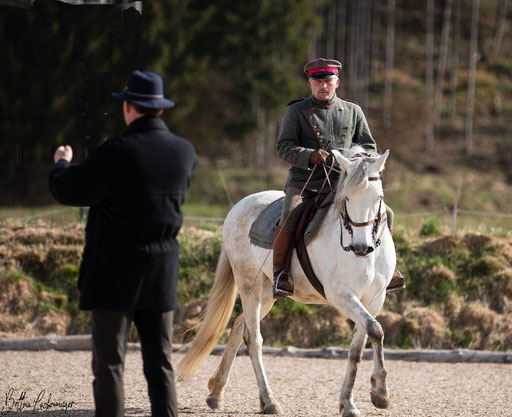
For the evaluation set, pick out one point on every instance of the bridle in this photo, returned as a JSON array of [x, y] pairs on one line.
[[377, 221]]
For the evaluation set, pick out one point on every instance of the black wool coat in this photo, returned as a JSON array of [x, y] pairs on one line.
[[134, 185]]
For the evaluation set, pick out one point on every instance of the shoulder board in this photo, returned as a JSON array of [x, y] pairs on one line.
[[294, 101], [351, 101]]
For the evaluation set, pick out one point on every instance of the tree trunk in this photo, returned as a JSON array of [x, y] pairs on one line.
[[500, 27], [352, 56], [312, 53], [390, 53], [330, 41], [376, 41], [473, 56], [341, 40], [454, 61], [362, 52], [443, 54], [366, 48], [429, 75]]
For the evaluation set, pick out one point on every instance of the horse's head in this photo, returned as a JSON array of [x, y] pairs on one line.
[[359, 200]]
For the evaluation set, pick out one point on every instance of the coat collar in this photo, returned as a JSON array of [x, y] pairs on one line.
[[146, 122], [323, 104]]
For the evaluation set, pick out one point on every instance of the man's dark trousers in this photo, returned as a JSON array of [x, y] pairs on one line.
[[110, 331]]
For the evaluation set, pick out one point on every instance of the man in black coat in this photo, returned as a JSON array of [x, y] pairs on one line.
[[135, 185]]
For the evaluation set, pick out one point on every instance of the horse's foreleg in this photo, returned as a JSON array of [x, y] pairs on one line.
[[379, 390], [255, 307], [219, 379], [351, 306], [355, 354]]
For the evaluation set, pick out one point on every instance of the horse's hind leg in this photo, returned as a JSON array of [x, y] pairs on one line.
[[253, 305], [219, 379], [355, 354]]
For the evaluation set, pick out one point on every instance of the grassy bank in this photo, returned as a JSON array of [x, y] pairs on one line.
[[459, 289]]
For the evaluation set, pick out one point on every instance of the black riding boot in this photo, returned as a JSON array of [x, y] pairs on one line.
[[397, 282], [283, 244]]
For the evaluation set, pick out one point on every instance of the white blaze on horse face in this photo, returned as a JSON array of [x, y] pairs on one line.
[[363, 207]]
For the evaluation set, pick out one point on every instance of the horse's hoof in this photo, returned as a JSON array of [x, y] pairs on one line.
[[214, 403], [380, 401], [354, 412], [272, 408]]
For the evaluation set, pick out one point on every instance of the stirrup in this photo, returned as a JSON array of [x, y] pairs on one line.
[[397, 283], [281, 292]]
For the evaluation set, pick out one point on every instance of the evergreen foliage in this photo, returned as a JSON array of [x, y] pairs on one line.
[[220, 62]]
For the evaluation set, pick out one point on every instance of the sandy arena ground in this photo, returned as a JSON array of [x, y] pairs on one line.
[[304, 387]]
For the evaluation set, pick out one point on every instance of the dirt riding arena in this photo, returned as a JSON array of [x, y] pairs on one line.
[[304, 387]]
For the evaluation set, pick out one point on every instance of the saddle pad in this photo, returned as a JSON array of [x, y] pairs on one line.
[[317, 219], [262, 230]]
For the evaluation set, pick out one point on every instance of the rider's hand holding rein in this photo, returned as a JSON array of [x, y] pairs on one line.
[[319, 157], [63, 152]]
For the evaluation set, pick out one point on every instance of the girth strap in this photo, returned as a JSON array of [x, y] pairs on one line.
[[300, 246], [302, 254]]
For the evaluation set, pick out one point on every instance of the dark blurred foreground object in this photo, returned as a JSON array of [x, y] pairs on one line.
[[95, 118], [135, 185]]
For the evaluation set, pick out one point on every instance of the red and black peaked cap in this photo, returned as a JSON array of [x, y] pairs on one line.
[[322, 68]]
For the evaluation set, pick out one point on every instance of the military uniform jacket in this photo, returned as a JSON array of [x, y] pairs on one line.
[[309, 125], [135, 185]]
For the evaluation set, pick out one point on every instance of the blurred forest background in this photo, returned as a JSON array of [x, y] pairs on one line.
[[432, 76]]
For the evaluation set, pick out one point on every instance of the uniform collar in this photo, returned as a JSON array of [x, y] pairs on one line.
[[323, 104], [146, 122]]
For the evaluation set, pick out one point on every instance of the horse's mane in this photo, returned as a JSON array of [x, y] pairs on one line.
[[357, 179]]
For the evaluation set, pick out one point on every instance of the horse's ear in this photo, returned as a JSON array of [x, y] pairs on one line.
[[344, 162], [378, 165]]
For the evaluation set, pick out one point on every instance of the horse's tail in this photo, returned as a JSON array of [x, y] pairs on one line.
[[215, 319]]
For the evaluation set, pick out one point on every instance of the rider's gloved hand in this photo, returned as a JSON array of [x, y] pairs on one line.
[[318, 157]]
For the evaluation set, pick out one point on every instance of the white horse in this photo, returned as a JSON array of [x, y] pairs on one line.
[[354, 281]]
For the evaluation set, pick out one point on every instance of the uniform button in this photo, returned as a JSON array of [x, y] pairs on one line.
[[346, 126], [344, 134]]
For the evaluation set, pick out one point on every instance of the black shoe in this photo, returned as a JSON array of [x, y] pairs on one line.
[[283, 285], [397, 283]]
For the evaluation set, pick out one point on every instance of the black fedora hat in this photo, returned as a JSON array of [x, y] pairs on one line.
[[145, 89]]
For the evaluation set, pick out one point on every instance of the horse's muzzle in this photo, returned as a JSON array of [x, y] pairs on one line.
[[361, 250]]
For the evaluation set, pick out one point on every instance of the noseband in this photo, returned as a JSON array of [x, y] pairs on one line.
[[348, 223]]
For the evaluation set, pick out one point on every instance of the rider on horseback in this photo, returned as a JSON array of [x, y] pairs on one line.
[[310, 128]]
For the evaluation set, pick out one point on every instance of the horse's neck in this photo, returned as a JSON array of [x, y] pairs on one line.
[[330, 229]]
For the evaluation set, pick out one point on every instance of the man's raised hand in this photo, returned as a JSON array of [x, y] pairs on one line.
[[63, 152]]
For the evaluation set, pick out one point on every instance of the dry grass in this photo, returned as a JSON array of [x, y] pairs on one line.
[[39, 264]]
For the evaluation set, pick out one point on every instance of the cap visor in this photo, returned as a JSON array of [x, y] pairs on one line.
[[323, 76]]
